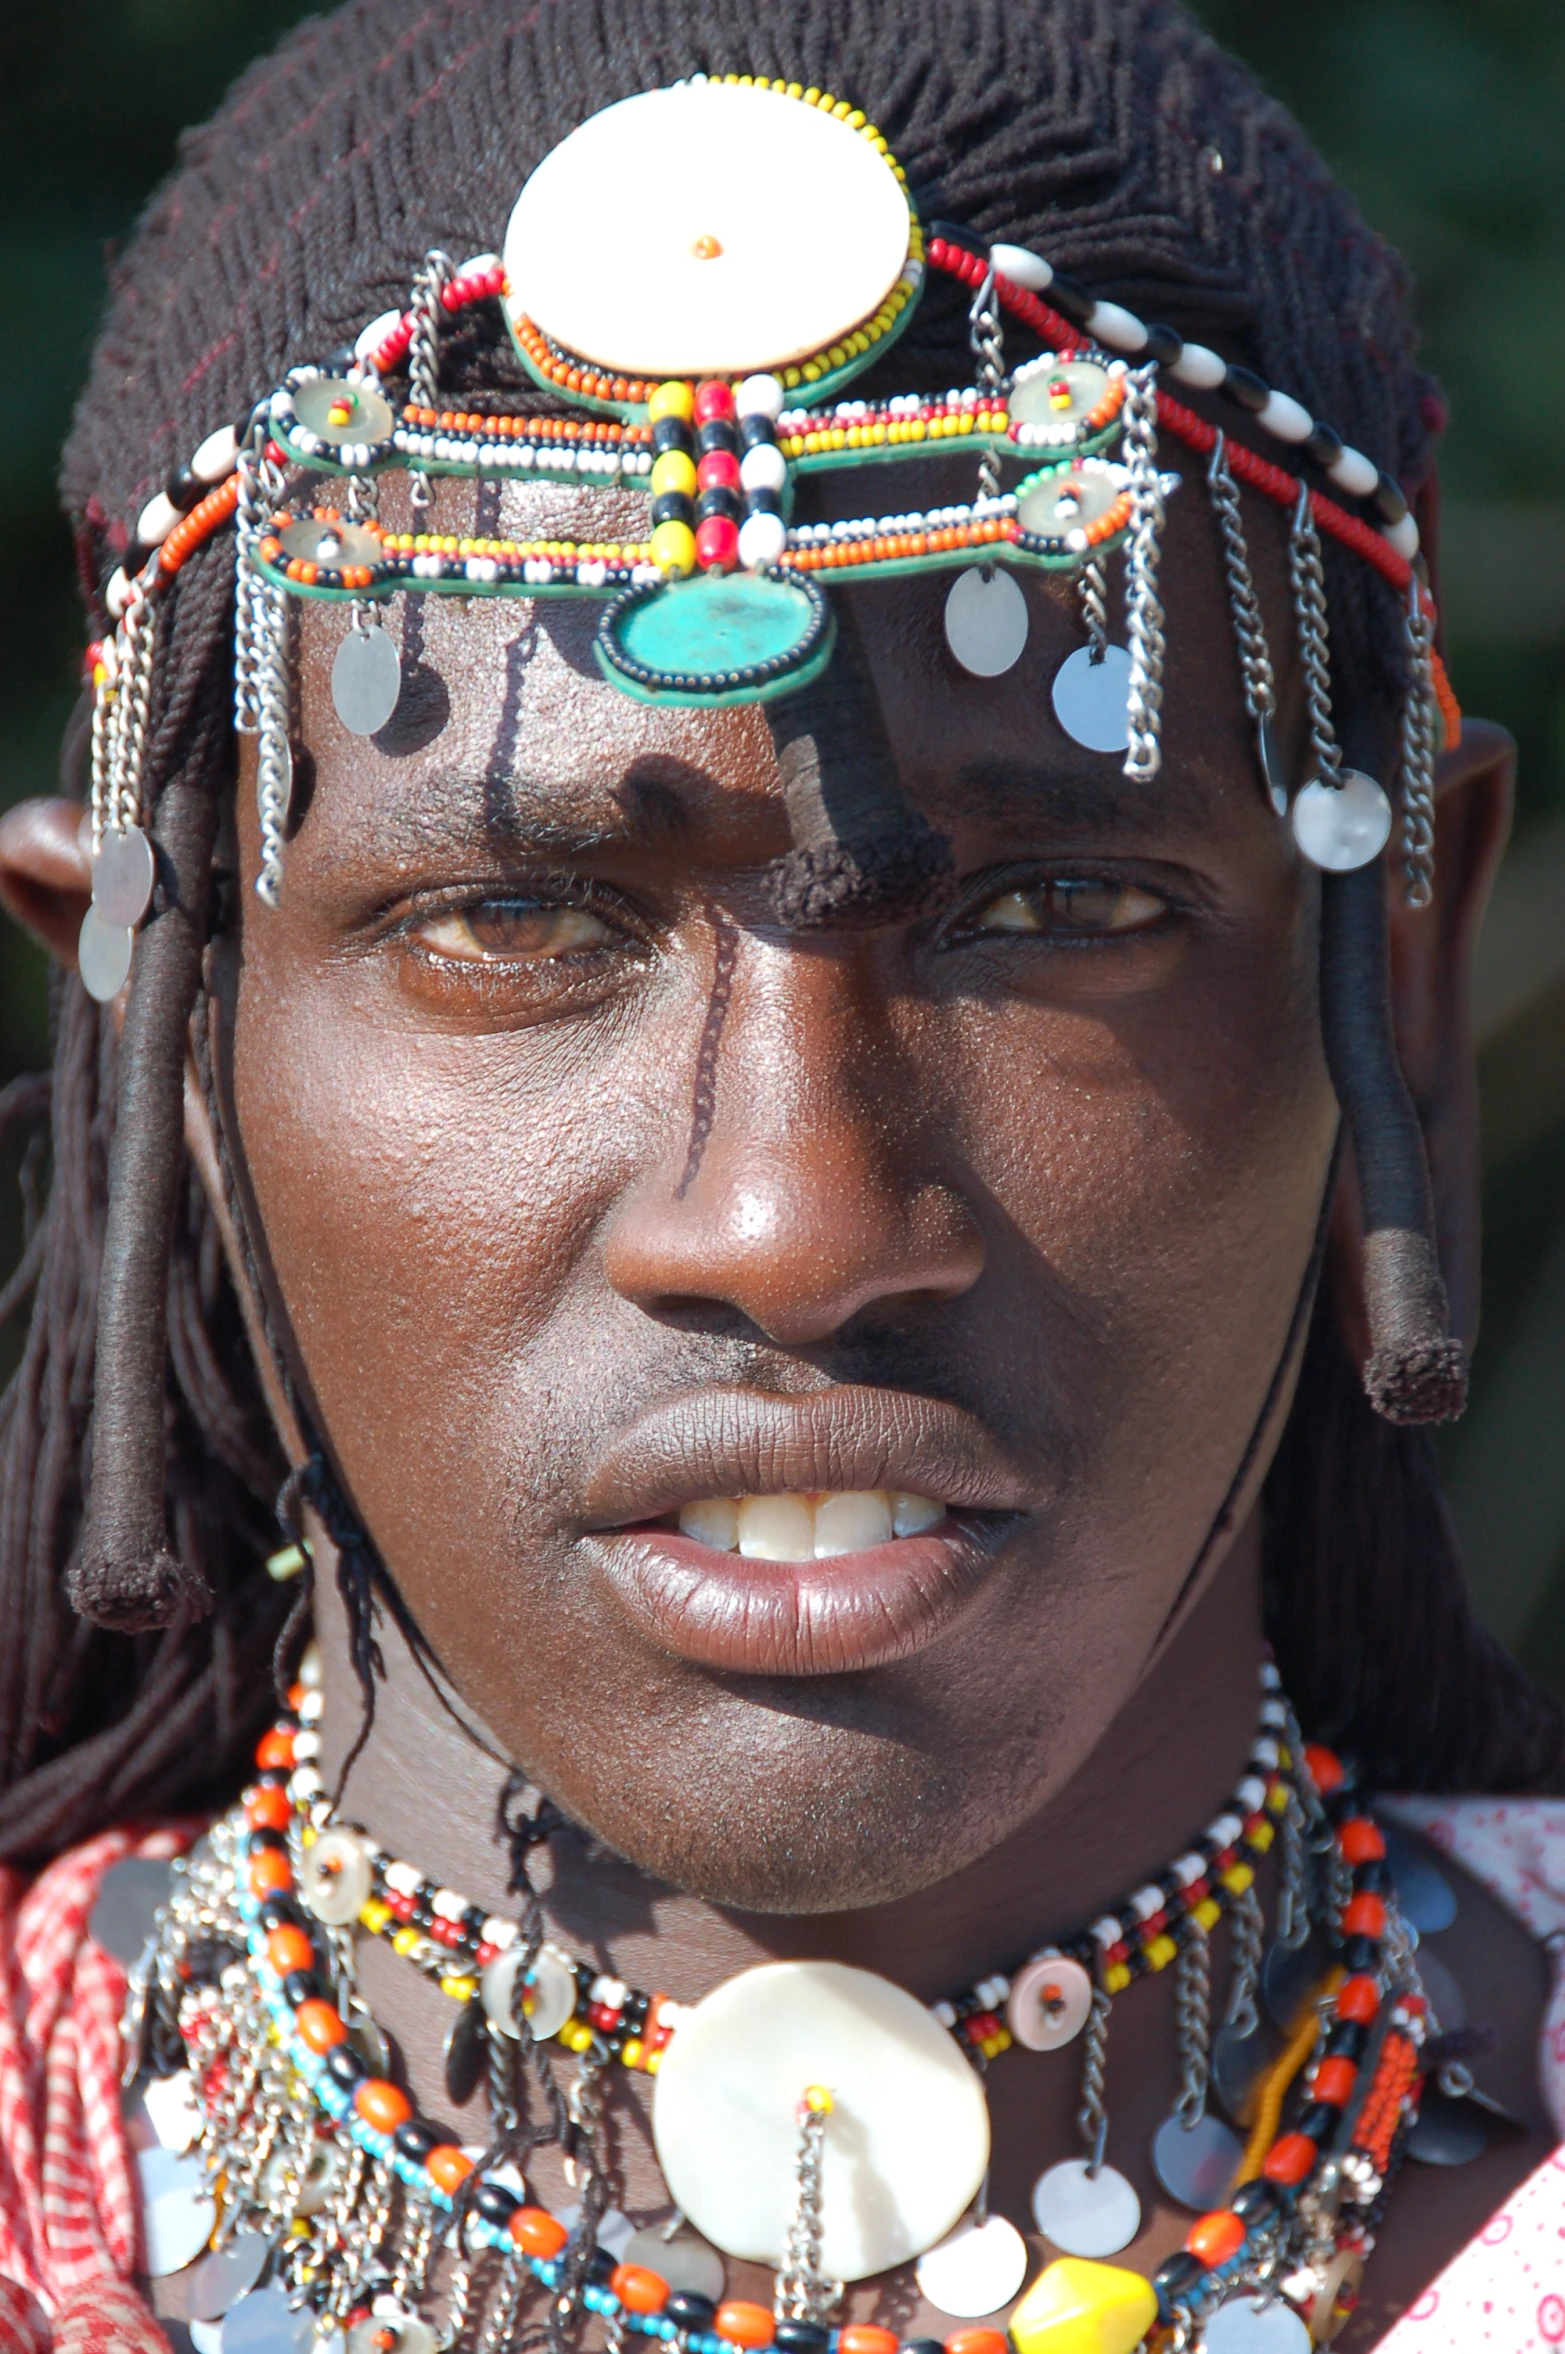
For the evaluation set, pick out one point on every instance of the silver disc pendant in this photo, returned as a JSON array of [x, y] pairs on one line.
[[685, 2260], [1340, 827], [228, 2274], [263, 2324], [1289, 1976], [122, 876], [366, 679], [467, 2053], [177, 2210], [126, 1905], [1446, 2132], [1238, 2063], [1196, 2163], [615, 2229], [975, 2270], [172, 2109], [1446, 1998], [1424, 1895], [1091, 699], [1248, 2325], [103, 954], [1273, 773], [1083, 2213], [986, 620]]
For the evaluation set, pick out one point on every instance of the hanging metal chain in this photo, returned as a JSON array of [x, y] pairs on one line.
[[1293, 1894], [803, 2293], [260, 481], [986, 339], [125, 744], [1092, 2118], [1308, 578], [1418, 754], [1193, 2023], [274, 766], [1143, 605], [428, 314], [1255, 661], [1092, 588], [1249, 1943]]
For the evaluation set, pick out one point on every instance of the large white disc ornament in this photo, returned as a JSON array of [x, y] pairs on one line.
[[906, 2142], [699, 231], [1340, 827]]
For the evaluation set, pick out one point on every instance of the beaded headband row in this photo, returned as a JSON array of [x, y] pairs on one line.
[[703, 339]]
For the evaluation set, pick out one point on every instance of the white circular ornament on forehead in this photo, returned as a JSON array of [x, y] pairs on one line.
[[699, 231], [906, 2142], [1340, 827]]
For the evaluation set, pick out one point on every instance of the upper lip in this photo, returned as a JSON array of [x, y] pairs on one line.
[[738, 1442]]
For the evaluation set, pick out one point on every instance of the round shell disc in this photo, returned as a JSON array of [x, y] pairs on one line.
[[1083, 2213], [1052, 399], [1340, 827], [177, 2210], [122, 876], [1063, 499], [1196, 2164], [975, 2271], [103, 954], [906, 2142], [366, 680], [986, 620], [1050, 1999], [718, 637], [332, 545], [229, 2273], [1092, 699], [698, 231], [263, 2323], [338, 412], [1247, 2325]]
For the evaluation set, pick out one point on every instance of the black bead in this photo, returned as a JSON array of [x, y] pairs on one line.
[[344, 2064], [1254, 2201], [495, 2203], [258, 1842], [1346, 2040], [671, 433], [338, 362], [1324, 447], [718, 501], [1361, 1956], [273, 1778], [415, 2140], [303, 1986], [1319, 2121], [422, 1914], [1389, 500], [274, 1911], [756, 431], [131, 562], [287, 1720], [1163, 345], [600, 2265], [718, 433], [763, 502], [688, 2309], [802, 2337], [1175, 2279], [183, 491], [673, 507], [472, 1923], [1246, 389], [1375, 1878], [1070, 298]]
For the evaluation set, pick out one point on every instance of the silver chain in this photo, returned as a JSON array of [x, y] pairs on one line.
[[428, 312], [1249, 1943], [1293, 1899], [986, 339], [1092, 587], [1255, 661], [274, 767], [1143, 605], [1193, 2024], [1092, 2118], [1418, 755], [803, 2293], [1308, 578]]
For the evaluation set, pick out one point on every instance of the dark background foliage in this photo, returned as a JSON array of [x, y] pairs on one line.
[[1443, 116]]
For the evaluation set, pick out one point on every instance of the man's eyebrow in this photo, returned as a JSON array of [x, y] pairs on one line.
[[527, 816], [1023, 794]]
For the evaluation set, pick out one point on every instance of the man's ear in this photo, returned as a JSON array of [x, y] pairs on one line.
[[46, 872], [1432, 951]]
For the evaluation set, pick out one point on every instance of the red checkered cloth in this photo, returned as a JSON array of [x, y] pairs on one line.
[[69, 2213]]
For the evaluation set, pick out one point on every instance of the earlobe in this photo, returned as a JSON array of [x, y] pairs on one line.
[[46, 872]]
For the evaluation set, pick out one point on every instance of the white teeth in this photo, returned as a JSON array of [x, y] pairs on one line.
[[804, 1528]]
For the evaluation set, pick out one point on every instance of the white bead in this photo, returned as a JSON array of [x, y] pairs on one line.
[[1265, 1752], [1147, 1901], [306, 1784], [376, 332], [1224, 1831], [1121, 330], [217, 456], [905, 2146], [763, 468], [762, 539], [1286, 417], [312, 1708], [306, 1747], [117, 595], [402, 1879], [1200, 367], [1403, 537], [498, 1933], [1251, 1792], [478, 265], [760, 396], [312, 1668], [1021, 267], [156, 520], [1354, 473], [1105, 1930], [448, 1904]]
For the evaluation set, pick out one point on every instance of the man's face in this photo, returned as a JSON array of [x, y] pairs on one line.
[[591, 1198]]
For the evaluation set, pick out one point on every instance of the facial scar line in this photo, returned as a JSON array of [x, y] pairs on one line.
[[704, 1106]]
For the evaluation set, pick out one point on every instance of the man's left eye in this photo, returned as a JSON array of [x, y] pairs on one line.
[[1072, 907], [501, 931]]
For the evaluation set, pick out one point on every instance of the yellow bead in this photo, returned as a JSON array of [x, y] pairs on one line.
[[576, 2034], [1237, 1878], [1161, 1952], [654, 2062], [1076, 2307], [1207, 1914], [818, 2100], [461, 1990], [674, 548], [632, 2051], [1262, 1836], [673, 470], [672, 400], [1116, 1978], [405, 1940], [1277, 1800]]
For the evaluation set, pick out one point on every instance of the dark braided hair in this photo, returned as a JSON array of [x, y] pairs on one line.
[[138, 1461]]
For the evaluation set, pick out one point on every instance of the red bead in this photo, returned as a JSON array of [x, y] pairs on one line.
[[1288, 2161], [445, 1932], [1214, 2238], [1364, 1915], [714, 399], [1361, 1841], [718, 470], [639, 2289], [275, 1748], [1325, 1768], [268, 1810], [399, 1906], [717, 544], [1333, 2080], [1358, 1999], [381, 2104]]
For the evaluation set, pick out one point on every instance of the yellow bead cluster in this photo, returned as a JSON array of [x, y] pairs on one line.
[[559, 551], [876, 433]]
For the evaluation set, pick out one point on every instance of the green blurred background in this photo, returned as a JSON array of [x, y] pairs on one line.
[[1444, 117]]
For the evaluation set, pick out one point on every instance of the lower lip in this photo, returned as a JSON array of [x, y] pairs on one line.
[[799, 1618]]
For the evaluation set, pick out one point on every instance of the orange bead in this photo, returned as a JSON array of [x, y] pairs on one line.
[[270, 1873], [743, 2324], [863, 2337], [274, 1750], [537, 2232], [268, 1810], [319, 2026], [381, 2104], [1358, 1999], [288, 1948], [448, 2167], [1364, 1915], [638, 2289], [296, 1697], [1361, 1841], [1288, 2161], [1325, 1768], [1215, 2237], [978, 2341], [1333, 2080]]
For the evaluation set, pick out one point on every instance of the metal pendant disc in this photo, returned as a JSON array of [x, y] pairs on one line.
[[177, 2211], [1196, 2164], [205, 2336], [1238, 2062], [1446, 1998], [686, 2261], [1340, 827], [1424, 1895], [128, 1898], [262, 2324], [986, 620], [978, 2268], [1091, 699], [122, 876], [1049, 2002], [1447, 2132], [1245, 2326], [172, 2109], [366, 680], [467, 2050], [1273, 771], [615, 2229], [1086, 2214], [228, 2274], [103, 954], [1290, 1975]]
